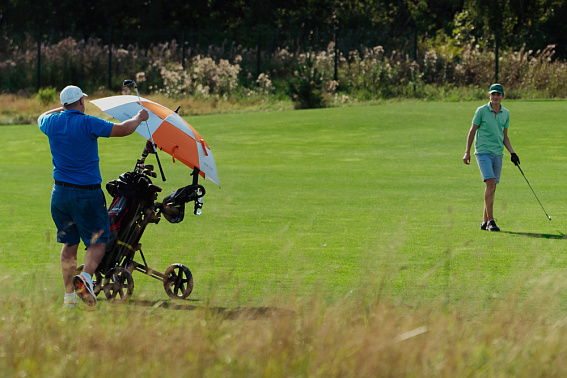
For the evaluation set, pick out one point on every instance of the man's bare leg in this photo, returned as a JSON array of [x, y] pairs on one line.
[[489, 194], [93, 257], [69, 266], [83, 284]]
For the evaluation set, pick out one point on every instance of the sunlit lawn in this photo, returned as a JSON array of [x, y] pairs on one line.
[[345, 205]]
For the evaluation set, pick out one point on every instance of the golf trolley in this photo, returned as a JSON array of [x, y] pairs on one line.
[[133, 207]]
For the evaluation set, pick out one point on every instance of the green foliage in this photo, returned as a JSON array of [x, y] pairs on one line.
[[209, 23], [463, 29], [47, 95]]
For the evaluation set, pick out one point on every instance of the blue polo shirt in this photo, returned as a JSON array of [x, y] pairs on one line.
[[73, 141], [489, 136]]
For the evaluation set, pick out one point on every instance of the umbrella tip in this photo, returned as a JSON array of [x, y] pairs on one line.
[[177, 110]]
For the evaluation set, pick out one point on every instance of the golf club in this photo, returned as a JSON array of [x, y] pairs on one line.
[[548, 217], [126, 83]]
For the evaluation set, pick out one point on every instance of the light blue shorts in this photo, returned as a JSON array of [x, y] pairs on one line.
[[79, 214], [490, 166]]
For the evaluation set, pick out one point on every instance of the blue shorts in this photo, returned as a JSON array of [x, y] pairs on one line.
[[490, 166], [80, 214]]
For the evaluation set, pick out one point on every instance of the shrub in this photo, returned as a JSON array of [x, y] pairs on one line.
[[203, 78], [264, 84], [17, 64], [47, 95], [306, 87]]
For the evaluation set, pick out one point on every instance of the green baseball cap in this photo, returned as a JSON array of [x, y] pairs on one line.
[[496, 88]]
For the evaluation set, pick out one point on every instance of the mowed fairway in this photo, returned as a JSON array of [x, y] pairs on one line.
[[336, 208]]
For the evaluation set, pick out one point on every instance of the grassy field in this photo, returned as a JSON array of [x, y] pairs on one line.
[[344, 242]]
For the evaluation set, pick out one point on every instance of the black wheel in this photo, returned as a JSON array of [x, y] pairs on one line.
[[178, 283], [118, 285], [97, 279]]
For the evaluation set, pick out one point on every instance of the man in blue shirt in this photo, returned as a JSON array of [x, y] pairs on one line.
[[78, 206]]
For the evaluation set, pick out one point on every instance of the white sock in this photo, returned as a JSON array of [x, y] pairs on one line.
[[70, 296]]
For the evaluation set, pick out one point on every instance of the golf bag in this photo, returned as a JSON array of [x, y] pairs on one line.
[[134, 205]]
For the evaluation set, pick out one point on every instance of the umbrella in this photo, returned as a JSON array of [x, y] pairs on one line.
[[167, 129]]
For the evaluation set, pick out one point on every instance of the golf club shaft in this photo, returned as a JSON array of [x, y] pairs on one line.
[[151, 137], [548, 217]]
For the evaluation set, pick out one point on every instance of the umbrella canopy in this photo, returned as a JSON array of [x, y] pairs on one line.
[[169, 131]]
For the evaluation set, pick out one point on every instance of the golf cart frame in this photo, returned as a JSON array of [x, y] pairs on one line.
[[133, 207]]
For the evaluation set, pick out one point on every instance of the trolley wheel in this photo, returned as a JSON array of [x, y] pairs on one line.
[[178, 283], [97, 279], [118, 285]]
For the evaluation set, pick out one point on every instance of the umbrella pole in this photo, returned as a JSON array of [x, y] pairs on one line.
[[126, 83], [157, 158]]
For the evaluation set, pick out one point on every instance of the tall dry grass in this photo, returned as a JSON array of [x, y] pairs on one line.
[[18, 109], [520, 335], [24, 109]]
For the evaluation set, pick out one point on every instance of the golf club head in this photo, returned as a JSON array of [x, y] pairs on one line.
[[128, 82]]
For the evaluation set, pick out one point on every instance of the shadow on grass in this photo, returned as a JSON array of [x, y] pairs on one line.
[[223, 312], [536, 235]]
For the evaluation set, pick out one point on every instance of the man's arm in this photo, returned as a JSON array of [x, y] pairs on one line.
[[128, 127], [513, 157], [470, 139], [57, 110], [507, 143]]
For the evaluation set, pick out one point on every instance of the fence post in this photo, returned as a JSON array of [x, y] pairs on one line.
[[110, 59], [496, 48], [336, 76], [183, 49], [258, 53], [38, 60], [415, 43], [414, 56]]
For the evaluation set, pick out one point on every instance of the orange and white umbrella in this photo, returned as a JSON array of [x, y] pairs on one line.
[[169, 132]]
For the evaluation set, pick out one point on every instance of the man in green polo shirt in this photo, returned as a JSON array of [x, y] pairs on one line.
[[489, 131]]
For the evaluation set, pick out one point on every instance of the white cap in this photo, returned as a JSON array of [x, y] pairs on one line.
[[71, 94]]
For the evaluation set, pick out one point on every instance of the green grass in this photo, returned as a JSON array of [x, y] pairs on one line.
[[330, 211]]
